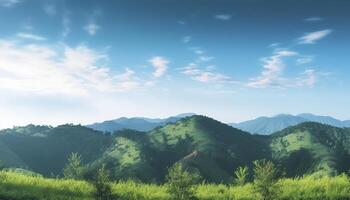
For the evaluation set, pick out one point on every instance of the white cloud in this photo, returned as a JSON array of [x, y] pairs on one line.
[[160, 65], [309, 79], [274, 45], [64, 70], [204, 76], [8, 3], [91, 28], [186, 39], [224, 17], [313, 19], [50, 9], [310, 38], [66, 25], [204, 58], [197, 50], [31, 36], [127, 75], [273, 68], [304, 60]]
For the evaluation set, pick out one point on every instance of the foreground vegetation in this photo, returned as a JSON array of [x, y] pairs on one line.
[[15, 186]]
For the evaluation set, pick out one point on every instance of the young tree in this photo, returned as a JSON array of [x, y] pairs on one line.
[[241, 175], [103, 188], [265, 179], [181, 183], [74, 169]]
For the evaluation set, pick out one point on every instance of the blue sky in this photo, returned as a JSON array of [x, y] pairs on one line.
[[88, 61]]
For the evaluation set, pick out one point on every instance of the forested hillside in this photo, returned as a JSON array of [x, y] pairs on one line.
[[205, 146]]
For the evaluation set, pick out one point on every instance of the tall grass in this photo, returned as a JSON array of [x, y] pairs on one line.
[[15, 186]]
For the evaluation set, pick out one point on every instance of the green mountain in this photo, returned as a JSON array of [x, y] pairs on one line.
[[45, 149], [135, 123], [312, 148], [205, 145], [202, 144]]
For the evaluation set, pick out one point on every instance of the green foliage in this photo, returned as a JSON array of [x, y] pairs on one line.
[[241, 175], [265, 179], [181, 183], [199, 142], [45, 149], [103, 188], [74, 169], [14, 186]]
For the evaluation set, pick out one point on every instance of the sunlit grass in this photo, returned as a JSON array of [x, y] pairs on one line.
[[25, 187]]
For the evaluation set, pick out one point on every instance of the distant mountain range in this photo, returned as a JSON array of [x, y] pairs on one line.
[[269, 125], [202, 144], [135, 123]]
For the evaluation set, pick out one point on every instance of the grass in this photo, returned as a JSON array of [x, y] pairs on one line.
[[16, 186]]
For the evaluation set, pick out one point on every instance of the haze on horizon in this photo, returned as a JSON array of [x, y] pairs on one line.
[[89, 61]]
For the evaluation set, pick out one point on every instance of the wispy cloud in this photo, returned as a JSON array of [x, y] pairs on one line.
[[52, 69], [187, 39], [65, 24], [311, 38], [50, 9], [224, 17], [197, 50], [91, 28], [272, 70], [274, 66], [313, 19], [31, 36], [204, 58], [204, 76], [8, 3], [304, 60], [160, 65], [308, 79]]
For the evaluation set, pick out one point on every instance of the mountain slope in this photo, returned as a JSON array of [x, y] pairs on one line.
[[202, 144], [218, 147], [269, 125], [312, 148], [324, 120], [45, 150], [135, 123]]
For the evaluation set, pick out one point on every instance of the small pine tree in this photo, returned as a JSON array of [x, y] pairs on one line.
[[103, 188], [241, 175], [180, 183], [74, 169], [265, 179]]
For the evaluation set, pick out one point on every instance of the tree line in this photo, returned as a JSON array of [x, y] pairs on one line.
[[181, 183]]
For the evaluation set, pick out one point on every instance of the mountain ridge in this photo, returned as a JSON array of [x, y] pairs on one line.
[[204, 145], [135, 123], [268, 125]]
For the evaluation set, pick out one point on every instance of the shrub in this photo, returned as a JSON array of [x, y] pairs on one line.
[[240, 175], [103, 188], [180, 183], [74, 169], [265, 179]]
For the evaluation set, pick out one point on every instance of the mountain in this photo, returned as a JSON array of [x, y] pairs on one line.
[[45, 149], [325, 120], [203, 145], [135, 123], [269, 125], [312, 148]]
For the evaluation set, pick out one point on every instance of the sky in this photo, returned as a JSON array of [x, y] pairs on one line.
[[87, 61]]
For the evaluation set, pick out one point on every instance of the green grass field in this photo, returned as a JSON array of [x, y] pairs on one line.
[[15, 186]]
